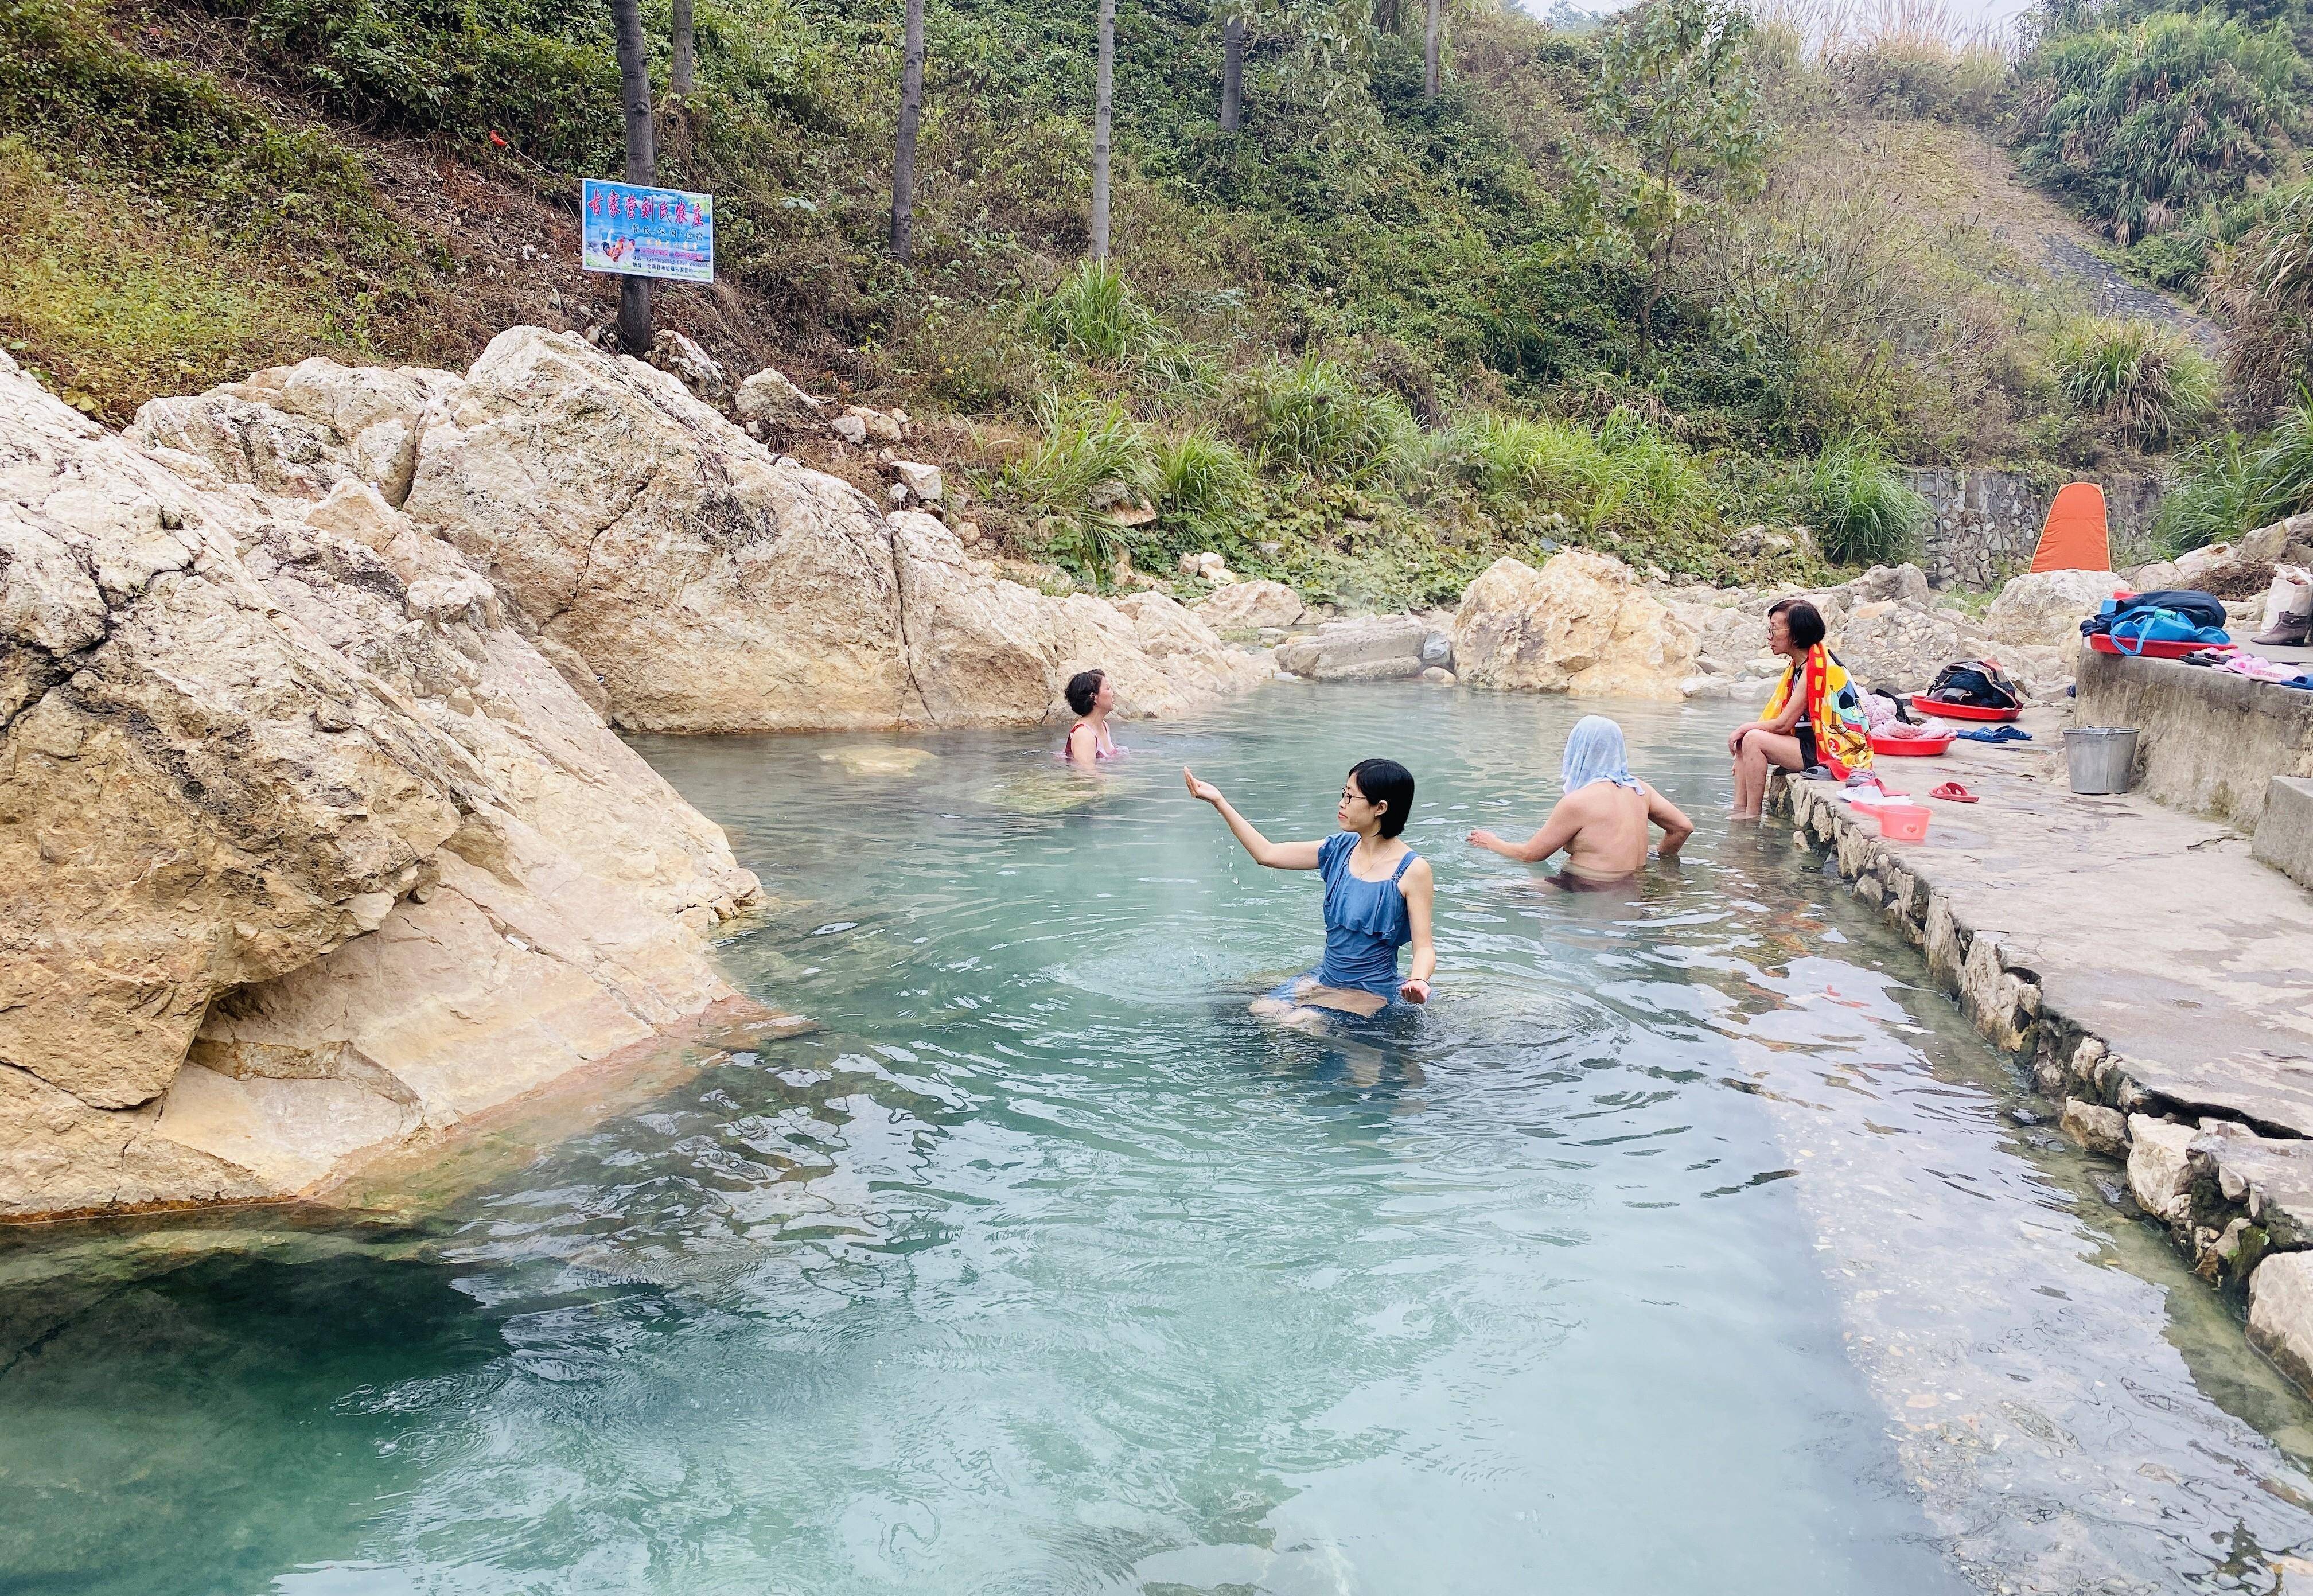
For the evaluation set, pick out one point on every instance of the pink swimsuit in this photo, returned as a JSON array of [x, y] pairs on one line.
[[1099, 751]]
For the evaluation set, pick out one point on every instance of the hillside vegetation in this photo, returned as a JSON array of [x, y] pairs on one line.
[[1638, 287]]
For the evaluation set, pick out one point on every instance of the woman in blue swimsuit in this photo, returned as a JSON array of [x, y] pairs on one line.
[[1378, 894]]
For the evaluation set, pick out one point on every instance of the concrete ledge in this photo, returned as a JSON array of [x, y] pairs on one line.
[[2212, 742], [2285, 831], [2156, 980]]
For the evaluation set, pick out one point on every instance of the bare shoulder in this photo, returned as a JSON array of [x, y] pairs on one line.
[[1419, 870]]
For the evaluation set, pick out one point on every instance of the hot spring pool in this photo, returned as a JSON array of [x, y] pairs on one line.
[[1684, 1244]]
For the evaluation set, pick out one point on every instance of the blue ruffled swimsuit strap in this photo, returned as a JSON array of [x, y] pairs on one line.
[[1366, 921]]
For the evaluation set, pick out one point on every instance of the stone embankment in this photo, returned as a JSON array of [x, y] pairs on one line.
[[314, 841], [2156, 979]]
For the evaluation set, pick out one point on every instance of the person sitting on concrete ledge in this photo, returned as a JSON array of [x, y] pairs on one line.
[[1601, 822], [1815, 716]]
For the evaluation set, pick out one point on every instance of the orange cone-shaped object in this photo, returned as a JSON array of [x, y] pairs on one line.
[[2074, 538]]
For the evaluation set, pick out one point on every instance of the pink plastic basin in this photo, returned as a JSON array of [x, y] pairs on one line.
[[1902, 822]]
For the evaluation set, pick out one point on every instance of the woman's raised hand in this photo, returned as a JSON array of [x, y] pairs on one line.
[[1204, 790], [1484, 839]]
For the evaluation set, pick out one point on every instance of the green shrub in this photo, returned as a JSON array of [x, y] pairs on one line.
[[1624, 475], [2140, 121], [1316, 418], [2144, 380], [1862, 512], [2208, 499], [1095, 315]]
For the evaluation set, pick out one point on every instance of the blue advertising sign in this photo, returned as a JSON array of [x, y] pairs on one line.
[[647, 233]]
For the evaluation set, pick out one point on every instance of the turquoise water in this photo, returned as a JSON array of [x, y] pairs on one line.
[[1684, 1244]]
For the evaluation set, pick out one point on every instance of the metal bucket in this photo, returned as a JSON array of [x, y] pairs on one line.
[[2103, 758]]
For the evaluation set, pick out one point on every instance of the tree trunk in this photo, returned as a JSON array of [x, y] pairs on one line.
[[1232, 73], [1429, 50], [679, 81], [911, 110], [642, 160], [1102, 83]]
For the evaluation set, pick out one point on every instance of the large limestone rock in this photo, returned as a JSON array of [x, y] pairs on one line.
[[2160, 1174], [1248, 606], [299, 430], [304, 852], [2047, 608], [1901, 646], [1366, 648], [769, 398], [1584, 624], [2281, 1313], [711, 587]]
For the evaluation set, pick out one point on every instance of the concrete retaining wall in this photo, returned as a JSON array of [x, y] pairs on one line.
[[2284, 833], [1984, 524], [2210, 743]]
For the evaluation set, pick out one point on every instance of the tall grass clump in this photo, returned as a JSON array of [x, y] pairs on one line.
[[1084, 443], [1623, 474], [2144, 380], [2264, 287], [1863, 513], [2141, 118], [1316, 418], [1201, 478], [1093, 315], [2228, 488]]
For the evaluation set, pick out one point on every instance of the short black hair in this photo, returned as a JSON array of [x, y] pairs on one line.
[[1083, 688], [1389, 786], [1802, 620]]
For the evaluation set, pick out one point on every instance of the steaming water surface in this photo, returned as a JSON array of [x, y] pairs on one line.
[[1681, 1245]]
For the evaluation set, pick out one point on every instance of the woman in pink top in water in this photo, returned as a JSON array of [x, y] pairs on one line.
[[1088, 740]]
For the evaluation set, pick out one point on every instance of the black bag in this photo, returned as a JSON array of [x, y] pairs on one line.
[[2202, 609], [1979, 683]]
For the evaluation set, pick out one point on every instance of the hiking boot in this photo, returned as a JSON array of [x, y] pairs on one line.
[[2290, 632]]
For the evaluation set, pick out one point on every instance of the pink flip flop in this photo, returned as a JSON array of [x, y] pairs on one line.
[[1952, 792]]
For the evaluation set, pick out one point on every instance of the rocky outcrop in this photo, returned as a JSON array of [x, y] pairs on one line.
[[680, 574], [1249, 606], [1367, 648], [299, 430], [1584, 624], [2046, 609], [305, 850]]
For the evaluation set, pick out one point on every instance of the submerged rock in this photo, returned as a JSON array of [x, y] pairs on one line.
[[304, 850], [1367, 648]]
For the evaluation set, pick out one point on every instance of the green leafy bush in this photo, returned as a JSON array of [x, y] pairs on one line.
[[2144, 380], [1863, 513], [1316, 418], [2229, 487]]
